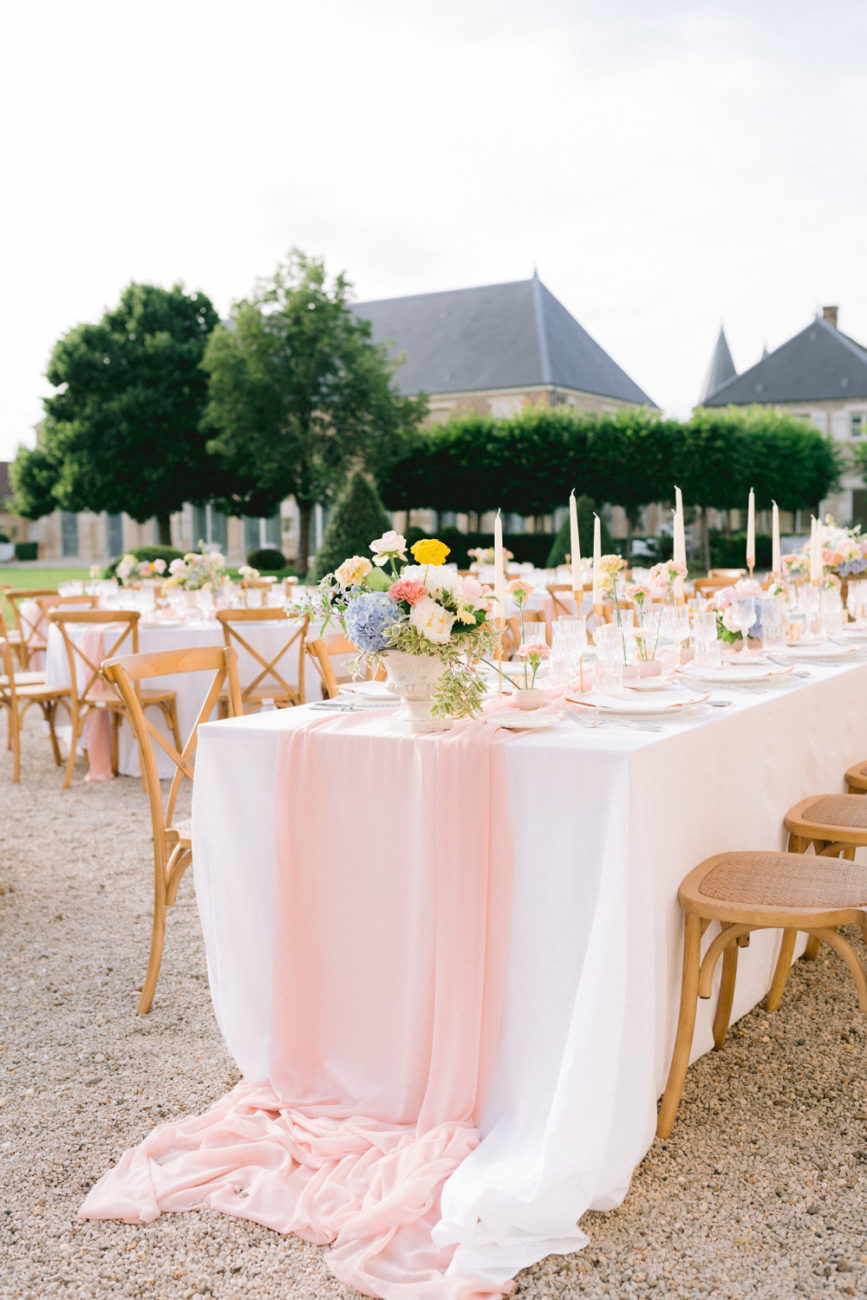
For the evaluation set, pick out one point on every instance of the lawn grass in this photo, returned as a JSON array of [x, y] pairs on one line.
[[16, 576]]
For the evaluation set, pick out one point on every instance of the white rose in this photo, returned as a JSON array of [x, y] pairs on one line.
[[390, 543], [432, 621]]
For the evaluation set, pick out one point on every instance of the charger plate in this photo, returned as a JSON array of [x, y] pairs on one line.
[[816, 650], [668, 702], [728, 673]]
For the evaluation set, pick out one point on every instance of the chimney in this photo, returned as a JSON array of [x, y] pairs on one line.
[[830, 315]]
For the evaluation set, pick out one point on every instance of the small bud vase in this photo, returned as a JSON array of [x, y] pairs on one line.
[[529, 697], [414, 679]]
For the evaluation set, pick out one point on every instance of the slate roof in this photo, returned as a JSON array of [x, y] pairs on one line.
[[721, 368], [818, 365], [514, 335]]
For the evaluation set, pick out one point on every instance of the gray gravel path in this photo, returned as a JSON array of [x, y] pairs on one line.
[[759, 1192]]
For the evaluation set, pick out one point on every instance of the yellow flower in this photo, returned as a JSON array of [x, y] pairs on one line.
[[430, 551]]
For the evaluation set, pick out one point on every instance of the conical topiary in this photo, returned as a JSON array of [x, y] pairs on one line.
[[585, 507], [358, 518]]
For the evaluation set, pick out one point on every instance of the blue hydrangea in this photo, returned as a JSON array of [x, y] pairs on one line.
[[849, 567], [367, 617]]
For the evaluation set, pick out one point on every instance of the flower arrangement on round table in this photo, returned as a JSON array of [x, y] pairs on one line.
[[418, 609], [130, 570], [728, 629], [660, 584], [197, 571]]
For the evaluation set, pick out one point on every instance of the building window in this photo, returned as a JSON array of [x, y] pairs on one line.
[[858, 424], [114, 534], [68, 534], [262, 532], [210, 527]]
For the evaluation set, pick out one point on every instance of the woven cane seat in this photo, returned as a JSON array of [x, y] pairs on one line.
[[785, 880], [856, 778], [836, 810]]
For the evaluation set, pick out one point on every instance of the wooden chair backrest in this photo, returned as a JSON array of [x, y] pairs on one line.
[[707, 586], [512, 634], [731, 575], [82, 601], [126, 675], [126, 623], [321, 649], [28, 627], [269, 674], [562, 600]]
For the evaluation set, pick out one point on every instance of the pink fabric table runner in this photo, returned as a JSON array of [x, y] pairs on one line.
[[97, 724], [392, 899]]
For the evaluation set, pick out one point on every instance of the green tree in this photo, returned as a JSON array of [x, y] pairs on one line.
[[299, 395], [358, 518], [123, 430]]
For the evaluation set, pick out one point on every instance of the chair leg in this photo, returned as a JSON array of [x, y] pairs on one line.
[[15, 743], [158, 934], [685, 1026], [781, 970], [811, 951], [50, 712], [726, 995], [73, 748]]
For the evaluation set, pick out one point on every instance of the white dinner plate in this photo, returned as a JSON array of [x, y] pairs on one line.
[[854, 632], [368, 691], [674, 701], [760, 672], [521, 720], [658, 683], [817, 650]]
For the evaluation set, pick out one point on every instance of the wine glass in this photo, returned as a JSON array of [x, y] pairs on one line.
[[742, 612]]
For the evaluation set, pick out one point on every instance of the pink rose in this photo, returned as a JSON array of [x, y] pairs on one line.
[[408, 589]]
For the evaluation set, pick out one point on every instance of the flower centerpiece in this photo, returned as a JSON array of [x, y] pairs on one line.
[[197, 571], [728, 628], [425, 622], [485, 555], [130, 570]]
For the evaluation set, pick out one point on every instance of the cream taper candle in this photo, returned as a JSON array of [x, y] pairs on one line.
[[597, 561], [499, 570], [751, 530], [575, 541], [776, 561]]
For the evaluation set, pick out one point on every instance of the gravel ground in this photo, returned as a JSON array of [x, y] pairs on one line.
[[760, 1191]]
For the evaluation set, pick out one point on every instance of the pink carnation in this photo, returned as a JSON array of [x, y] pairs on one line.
[[535, 650], [520, 588], [408, 589]]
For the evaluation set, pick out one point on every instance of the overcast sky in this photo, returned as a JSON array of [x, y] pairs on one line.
[[667, 165]]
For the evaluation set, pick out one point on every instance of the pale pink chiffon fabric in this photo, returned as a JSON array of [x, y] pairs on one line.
[[97, 724], [392, 895]]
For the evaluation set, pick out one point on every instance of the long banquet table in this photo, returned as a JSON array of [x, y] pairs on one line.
[[604, 824]]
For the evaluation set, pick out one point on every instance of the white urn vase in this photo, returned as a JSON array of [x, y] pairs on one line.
[[414, 678]]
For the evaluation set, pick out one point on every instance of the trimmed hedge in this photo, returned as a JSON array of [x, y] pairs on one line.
[[26, 550], [729, 552], [267, 558]]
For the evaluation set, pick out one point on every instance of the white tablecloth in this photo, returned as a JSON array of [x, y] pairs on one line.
[[191, 688], [605, 824]]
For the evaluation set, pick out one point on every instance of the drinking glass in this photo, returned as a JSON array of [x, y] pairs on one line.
[[773, 622], [705, 639], [832, 612], [743, 614], [568, 643], [608, 675]]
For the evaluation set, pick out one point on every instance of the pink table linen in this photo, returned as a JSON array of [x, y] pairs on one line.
[[388, 982], [97, 724]]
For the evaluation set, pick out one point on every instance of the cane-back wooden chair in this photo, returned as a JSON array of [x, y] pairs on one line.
[[89, 636], [18, 691], [755, 891], [266, 677], [173, 845], [856, 778]]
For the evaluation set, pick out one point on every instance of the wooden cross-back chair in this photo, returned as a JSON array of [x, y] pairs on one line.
[[28, 625], [729, 575], [173, 846], [705, 587], [12, 636], [512, 631], [322, 651], [747, 891], [562, 599], [18, 691], [113, 630], [267, 679]]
